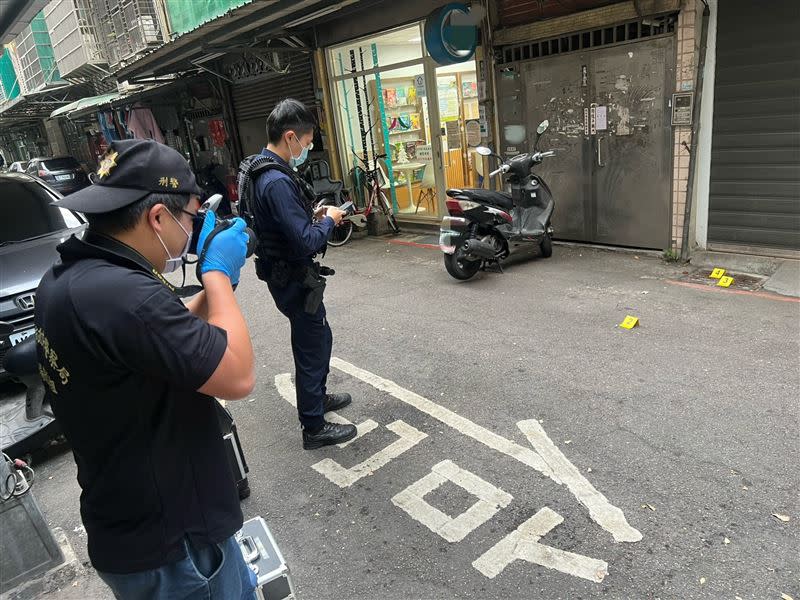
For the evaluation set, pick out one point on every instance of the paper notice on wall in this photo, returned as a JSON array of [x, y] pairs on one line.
[[424, 152], [601, 118], [453, 135], [419, 84]]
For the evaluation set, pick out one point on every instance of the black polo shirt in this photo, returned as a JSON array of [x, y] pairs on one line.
[[122, 358]]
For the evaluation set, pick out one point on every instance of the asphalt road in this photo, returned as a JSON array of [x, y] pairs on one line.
[[687, 424]]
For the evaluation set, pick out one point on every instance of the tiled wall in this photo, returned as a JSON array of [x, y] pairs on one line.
[[688, 51]]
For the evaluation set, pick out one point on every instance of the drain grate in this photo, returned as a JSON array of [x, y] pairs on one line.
[[741, 282]]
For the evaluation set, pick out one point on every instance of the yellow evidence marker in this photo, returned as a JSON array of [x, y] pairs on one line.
[[725, 281], [717, 273], [629, 322]]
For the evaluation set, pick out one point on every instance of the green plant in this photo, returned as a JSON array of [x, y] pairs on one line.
[[671, 255]]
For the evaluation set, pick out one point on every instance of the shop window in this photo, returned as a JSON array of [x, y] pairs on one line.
[[384, 107], [398, 46]]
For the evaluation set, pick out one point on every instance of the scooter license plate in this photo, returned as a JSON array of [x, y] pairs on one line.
[[450, 232], [16, 338]]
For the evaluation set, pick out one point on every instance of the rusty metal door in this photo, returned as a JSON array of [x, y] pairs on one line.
[[554, 91], [609, 124], [633, 158]]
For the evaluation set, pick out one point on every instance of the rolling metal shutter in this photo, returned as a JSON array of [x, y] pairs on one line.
[[254, 99], [755, 161]]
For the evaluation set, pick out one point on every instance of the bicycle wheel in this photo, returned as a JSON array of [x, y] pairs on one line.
[[341, 234], [387, 208]]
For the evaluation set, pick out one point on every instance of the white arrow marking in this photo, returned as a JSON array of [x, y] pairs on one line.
[[554, 464], [600, 509]]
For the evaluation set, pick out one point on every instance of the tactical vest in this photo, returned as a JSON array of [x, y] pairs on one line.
[[272, 244]]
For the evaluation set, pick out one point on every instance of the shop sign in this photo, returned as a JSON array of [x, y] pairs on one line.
[[451, 32]]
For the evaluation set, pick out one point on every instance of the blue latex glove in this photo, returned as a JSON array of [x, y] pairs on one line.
[[227, 251]]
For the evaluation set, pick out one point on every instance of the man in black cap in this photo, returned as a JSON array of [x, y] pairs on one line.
[[130, 372]]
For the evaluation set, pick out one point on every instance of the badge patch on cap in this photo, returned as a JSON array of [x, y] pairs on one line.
[[107, 164]]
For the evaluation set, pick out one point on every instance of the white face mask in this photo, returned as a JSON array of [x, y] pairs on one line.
[[296, 161], [174, 263]]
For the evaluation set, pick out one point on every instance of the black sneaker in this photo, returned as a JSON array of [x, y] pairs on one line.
[[331, 433], [336, 401]]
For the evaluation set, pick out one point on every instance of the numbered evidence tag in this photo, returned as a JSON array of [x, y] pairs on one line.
[[717, 273], [725, 281], [629, 322]]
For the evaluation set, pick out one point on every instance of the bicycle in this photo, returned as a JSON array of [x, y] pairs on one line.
[[344, 230], [376, 196]]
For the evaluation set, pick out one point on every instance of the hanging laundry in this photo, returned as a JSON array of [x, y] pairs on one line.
[[142, 124], [122, 120], [106, 123]]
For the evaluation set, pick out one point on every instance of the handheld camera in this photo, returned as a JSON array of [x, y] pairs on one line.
[[212, 204]]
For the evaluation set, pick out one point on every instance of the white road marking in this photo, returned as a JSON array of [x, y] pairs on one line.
[[454, 529], [409, 437], [602, 512], [523, 544], [286, 389], [600, 509], [448, 417]]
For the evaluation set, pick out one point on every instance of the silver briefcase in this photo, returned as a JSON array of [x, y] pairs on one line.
[[264, 558]]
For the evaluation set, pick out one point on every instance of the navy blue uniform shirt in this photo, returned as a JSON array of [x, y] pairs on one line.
[[122, 359], [280, 208]]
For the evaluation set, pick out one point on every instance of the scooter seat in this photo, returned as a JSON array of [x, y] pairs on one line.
[[22, 360], [501, 199]]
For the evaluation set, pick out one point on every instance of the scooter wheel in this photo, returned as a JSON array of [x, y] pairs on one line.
[[459, 268], [546, 246]]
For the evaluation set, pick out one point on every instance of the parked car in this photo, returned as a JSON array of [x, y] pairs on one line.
[[30, 230], [18, 167], [63, 173]]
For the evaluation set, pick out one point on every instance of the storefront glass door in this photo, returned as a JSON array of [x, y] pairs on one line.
[[389, 98], [457, 94]]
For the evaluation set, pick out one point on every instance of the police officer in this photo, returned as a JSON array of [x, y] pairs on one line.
[[130, 372], [289, 237]]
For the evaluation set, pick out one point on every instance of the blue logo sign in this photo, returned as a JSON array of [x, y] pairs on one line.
[[451, 33]]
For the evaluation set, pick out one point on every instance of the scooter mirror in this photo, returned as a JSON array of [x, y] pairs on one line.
[[483, 151], [6, 328], [543, 127]]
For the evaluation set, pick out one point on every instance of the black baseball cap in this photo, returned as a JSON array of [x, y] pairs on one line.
[[129, 171]]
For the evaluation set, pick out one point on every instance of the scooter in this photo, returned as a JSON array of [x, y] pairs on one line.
[[485, 227], [22, 432]]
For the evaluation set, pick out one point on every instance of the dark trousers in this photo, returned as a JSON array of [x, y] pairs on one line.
[[312, 341]]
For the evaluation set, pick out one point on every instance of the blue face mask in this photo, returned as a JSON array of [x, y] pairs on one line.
[[296, 161]]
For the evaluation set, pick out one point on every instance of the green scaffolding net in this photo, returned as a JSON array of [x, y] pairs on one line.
[[185, 15], [44, 49], [8, 77]]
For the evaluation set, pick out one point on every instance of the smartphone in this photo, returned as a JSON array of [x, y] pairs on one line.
[[346, 207]]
